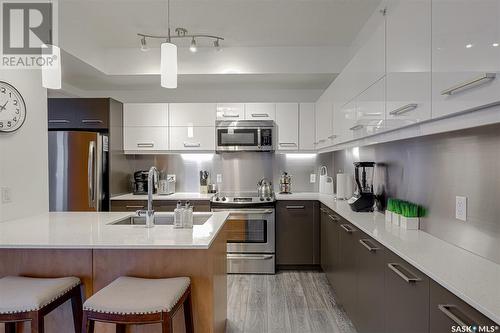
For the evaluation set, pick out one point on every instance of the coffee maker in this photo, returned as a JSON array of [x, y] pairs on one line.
[[364, 198], [141, 182]]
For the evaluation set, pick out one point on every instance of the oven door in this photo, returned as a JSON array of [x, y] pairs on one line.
[[238, 138], [250, 230]]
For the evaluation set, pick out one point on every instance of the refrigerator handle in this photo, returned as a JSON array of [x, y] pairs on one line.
[[90, 174]]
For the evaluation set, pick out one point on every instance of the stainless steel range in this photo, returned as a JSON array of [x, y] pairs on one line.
[[251, 231]]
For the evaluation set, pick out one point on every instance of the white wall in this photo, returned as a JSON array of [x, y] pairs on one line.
[[23, 154]]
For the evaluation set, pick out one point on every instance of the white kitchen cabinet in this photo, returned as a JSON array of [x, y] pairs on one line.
[[465, 55], [307, 125], [324, 134], [260, 111], [145, 114], [145, 138], [408, 54], [230, 111], [287, 122], [192, 114], [370, 111], [345, 122], [192, 138]]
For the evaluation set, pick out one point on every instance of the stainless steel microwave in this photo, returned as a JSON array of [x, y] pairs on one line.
[[245, 135]]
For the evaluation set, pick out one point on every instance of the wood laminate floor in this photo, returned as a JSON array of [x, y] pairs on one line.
[[289, 301]]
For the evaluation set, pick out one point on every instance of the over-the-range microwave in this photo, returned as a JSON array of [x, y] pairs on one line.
[[245, 135]]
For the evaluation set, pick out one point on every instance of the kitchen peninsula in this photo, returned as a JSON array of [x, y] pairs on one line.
[[99, 247]]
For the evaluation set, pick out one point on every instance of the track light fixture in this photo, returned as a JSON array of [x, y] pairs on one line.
[[144, 45], [193, 48]]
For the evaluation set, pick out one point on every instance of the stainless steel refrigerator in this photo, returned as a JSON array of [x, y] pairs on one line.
[[78, 171]]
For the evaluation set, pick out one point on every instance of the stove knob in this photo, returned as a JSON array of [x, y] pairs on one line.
[[217, 199], [224, 199], [268, 199], [261, 199]]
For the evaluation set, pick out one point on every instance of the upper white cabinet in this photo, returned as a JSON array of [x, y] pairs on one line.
[[145, 138], [465, 55], [307, 124], [408, 54], [192, 114], [145, 114], [345, 122], [370, 110], [324, 134], [192, 138], [230, 111], [260, 111], [287, 121]]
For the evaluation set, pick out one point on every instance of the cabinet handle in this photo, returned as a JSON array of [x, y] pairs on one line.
[[444, 308], [394, 268], [134, 207], [370, 248], [192, 144], [404, 109], [333, 218], [92, 121], [295, 207], [356, 127], [321, 141], [348, 228], [145, 145], [333, 136], [482, 79], [230, 115], [58, 121], [323, 210], [288, 144], [260, 115]]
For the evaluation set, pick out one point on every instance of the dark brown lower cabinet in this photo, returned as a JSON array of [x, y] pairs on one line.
[[347, 269], [158, 205], [128, 205], [297, 233], [448, 313], [406, 297], [329, 244], [370, 285], [325, 239]]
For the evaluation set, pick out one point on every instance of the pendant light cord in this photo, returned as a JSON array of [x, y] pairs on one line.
[[168, 19]]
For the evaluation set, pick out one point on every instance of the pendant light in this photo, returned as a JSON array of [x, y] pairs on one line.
[[168, 63]]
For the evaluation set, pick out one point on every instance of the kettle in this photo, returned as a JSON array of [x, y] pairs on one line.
[[265, 188]]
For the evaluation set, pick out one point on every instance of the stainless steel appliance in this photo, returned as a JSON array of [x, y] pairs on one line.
[[364, 198], [245, 135], [251, 245], [78, 171], [265, 189], [141, 182]]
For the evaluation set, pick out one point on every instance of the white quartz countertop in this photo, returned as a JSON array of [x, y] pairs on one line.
[[193, 196], [472, 278], [91, 230]]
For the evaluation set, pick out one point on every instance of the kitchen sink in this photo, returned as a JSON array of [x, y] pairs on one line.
[[161, 219]]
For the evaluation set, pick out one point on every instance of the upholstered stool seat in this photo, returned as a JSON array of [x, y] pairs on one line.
[[30, 299], [131, 300]]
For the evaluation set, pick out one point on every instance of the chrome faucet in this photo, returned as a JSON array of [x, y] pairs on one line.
[[150, 213]]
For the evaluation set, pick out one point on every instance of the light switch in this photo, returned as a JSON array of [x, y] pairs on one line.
[[6, 195], [312, 178], [219, 178]]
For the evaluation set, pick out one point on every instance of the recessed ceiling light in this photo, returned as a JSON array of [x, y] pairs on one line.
[[193, 48], [468, 46], [495, 44]]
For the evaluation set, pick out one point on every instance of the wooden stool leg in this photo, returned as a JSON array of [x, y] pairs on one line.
[[76, 304], [188, 314], [88, 324], [10, 327], [167, 324], [120, 328], [37, 323]]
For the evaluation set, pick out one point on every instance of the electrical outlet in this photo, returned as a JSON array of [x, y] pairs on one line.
[[219, 178], [461, 208], [312, 178], [6, 195], [171, 176]]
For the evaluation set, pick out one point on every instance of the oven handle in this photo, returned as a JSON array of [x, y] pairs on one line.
[[243, 211], [250, 257]]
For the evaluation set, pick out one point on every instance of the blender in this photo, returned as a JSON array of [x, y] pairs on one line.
[[364, 198]]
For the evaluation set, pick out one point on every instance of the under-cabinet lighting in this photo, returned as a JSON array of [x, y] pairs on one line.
[[299, 156], [495, 44], [355, 153], [197, 157], [468, 46]]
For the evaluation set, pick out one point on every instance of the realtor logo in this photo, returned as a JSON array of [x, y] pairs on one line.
[[28, 33]]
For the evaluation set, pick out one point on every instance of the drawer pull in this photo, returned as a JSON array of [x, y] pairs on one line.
[[230, 115], [295, 207], [288, 144], [365, 243], [260, 115], [134, 207], [321, 141], [404, 109], [347, 228], [58, 121], [394, 268], [192, 144], [323, 210], [333, 218], [92, 121], [333, 136], [482, 79], [445, 308], [356, 127], [145, 145]]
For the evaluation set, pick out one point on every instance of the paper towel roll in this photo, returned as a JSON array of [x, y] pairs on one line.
[[344, 186]]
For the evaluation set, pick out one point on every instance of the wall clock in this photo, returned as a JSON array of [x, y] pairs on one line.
[[12, 108]]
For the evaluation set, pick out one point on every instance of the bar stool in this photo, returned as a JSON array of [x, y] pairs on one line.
[[136, 301], [30, 299]]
